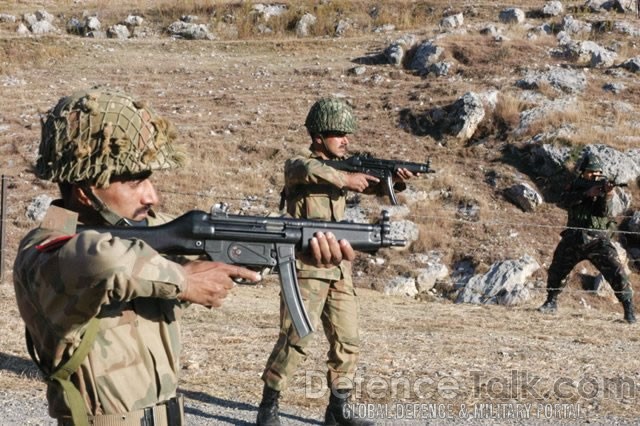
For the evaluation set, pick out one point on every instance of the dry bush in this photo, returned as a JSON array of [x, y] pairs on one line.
[[604, 122], [556, 119], [546, 89], [404, 16], [435, 234], [241, 15], [167, 11], [506, 114]]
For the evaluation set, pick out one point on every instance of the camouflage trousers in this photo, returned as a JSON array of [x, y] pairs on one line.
[[600, 252], [333, 303]]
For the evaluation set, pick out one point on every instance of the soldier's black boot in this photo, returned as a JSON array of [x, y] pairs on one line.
[[339, 412], [268, 410], [550, 306], [629, 313]]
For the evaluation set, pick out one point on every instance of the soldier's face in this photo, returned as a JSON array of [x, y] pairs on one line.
[[335, 145], [130, 198], [592, 174]]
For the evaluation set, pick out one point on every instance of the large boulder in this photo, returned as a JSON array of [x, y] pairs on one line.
[[506, 283]]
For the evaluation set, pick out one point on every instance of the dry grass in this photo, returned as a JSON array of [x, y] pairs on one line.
[[16, 54], [572, 115], [506, 114]]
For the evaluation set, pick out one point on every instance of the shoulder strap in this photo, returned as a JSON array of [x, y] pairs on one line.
[[72, 395]]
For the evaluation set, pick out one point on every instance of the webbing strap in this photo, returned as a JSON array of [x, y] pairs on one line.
[[72, 395]]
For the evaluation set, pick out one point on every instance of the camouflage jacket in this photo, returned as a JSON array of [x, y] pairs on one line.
[[314, 190], [584, 211], [62, 280], [589, 213]]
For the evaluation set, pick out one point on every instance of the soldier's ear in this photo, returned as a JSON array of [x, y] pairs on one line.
[[317, 143], [80, 196]]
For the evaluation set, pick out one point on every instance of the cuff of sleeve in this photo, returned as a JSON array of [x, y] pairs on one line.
[[172, 283]]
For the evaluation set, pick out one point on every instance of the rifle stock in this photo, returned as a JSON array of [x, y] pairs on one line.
[[382, 169], [255, 242]]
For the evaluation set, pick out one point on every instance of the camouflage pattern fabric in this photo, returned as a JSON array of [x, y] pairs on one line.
[[330, 115], [599, 251], [587, 212], [334, 305], [134, 362], [95, 134], [591, 162], [588, 237], [313, 191]]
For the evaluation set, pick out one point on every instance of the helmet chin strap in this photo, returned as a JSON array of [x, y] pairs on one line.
[[326, 150], [111, 217]]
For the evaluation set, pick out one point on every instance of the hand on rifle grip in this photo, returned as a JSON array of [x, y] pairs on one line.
[[359, 181], [244, 281], [209, 282]]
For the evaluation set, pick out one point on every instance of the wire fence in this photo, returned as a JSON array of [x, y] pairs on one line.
[[440, 214]]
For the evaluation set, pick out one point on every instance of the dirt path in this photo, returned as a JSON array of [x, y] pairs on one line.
[[459, 360], [421, 361]]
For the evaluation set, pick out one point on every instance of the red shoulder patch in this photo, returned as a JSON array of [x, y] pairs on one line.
[[50, 245]]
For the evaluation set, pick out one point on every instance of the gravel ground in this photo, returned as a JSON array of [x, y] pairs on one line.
[[200, 409], [24, 409], [444, 342]]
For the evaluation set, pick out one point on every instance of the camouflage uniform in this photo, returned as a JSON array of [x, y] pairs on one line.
[[102, 315], [588, 237], [63, 280], [313, 191]]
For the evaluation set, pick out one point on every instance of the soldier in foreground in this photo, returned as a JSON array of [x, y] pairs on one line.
[[314, 190], [102, 313], [588, 237]]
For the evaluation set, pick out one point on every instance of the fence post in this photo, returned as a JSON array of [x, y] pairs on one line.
[[3, 219]]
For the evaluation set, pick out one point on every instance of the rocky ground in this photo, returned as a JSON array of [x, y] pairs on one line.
[[239, 105], [440, 362]]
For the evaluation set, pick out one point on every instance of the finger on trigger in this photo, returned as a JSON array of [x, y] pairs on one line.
[[248, 274]]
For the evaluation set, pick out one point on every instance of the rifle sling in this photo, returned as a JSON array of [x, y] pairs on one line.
[[72, 396]]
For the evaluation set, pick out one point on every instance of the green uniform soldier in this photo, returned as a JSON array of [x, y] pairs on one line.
[[103, 314], [588, 237], [314, 190]]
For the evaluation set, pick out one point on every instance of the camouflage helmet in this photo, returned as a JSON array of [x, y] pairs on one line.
[[591, 163], [95, 134], [330, 115]]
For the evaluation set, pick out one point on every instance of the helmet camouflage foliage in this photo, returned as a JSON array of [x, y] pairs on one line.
[[591, 163], [330, 115], [95, 134]]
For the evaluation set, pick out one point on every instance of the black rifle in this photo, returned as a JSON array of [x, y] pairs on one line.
[[382, 169], [255, 242], [602, 182], [608, 182]]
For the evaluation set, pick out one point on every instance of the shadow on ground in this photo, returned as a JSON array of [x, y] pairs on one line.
[[19, 366], [249, 409]]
